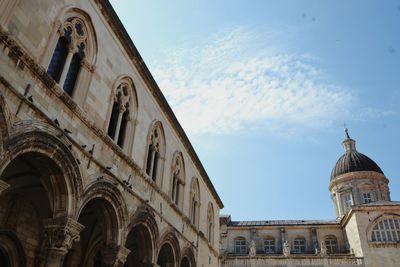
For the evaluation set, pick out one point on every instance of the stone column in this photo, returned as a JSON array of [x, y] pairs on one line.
[[59, 236], [3, 186], [71, 51], [115, 255]]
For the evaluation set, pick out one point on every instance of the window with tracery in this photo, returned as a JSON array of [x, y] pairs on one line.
[[240, 246], [69, 53], [386, 230], [299, 245], [120, 114], [210, 223], [195, 203], [155, 144], [177, 179], [331, 244]]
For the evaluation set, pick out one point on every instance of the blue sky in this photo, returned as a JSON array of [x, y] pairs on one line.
[[263, 88]]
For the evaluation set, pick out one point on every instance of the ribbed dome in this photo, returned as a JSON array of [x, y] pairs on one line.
[[354, 161]]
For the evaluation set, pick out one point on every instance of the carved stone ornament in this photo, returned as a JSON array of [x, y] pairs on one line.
[[252, 250], [286, 248], [324, 250], [115, 255], [3, 186], [60, 233]]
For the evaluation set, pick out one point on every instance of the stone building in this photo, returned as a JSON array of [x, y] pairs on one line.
[[366, 231], [95, 169]]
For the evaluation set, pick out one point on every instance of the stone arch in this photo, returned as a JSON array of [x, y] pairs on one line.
[[123, 99], [12, 249], [67, 190], [155, 152], [102, 213], [169, 237], [107, 191], [143, 238], [169, 251], [189, 255]]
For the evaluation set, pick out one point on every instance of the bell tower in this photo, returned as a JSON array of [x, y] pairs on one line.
[[356, 179]]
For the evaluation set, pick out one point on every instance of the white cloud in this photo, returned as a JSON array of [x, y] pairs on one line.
[[237, 82]]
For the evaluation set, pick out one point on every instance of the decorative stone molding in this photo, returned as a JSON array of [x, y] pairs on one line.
[[61, 233], [3, 186], [115, 255]]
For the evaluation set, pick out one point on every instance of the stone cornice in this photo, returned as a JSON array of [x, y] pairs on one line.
[[120, 31], [375, 206], [357, 176]]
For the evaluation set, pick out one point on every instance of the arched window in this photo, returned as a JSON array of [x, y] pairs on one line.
[[155, 151], [210, 223], [331, 244], [69, 53], [240, 245], [269, 245], [299, 245], [194, 202], [386, 230], [178, 179], [122, 112]]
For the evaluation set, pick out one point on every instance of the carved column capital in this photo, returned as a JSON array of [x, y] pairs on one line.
[[86, 65], [3, 186], [115, 255], [60, 233]]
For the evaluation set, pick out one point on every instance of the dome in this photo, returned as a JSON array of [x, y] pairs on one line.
[[354, 161]]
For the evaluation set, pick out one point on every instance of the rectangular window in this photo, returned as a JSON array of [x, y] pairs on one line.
[[299, 245], [347, 201], [240, 246], [367, 197], [269, 245]]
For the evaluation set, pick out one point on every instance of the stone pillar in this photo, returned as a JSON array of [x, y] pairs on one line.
[[3, 186], [115, 255], [59, 236]]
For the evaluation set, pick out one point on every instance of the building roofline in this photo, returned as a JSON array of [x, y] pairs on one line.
[[137, 59]]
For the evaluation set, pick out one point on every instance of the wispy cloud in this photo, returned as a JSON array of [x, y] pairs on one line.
[[238, 81]]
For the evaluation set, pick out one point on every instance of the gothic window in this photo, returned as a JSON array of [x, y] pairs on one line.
[[299, 245], [177, 181], [120, 113], [155, 150], [386, 230], [194, 202], [269, 245], [367, 197], [69, 53], [210, 223], [331, 244], [240, 246]]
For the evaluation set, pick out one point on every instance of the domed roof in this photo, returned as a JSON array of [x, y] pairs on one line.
[[353, 161]]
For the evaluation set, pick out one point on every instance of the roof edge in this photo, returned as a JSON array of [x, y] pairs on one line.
[[119, 29]]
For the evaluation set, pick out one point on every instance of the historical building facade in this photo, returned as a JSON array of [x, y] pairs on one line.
[[366, 231], [95, 169]]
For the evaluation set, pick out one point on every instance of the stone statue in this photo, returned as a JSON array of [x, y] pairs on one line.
[[286, 248], [252, 250], [324, 251]]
